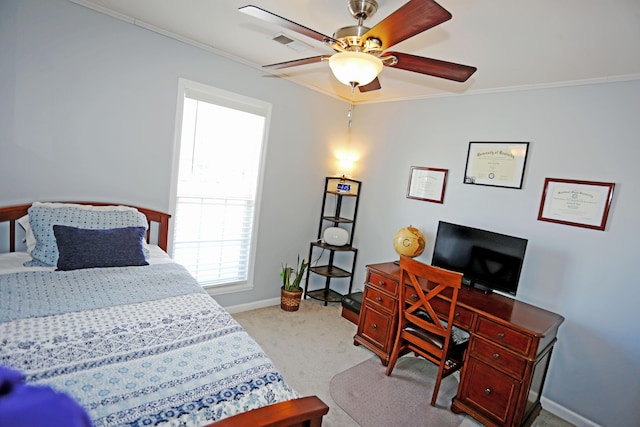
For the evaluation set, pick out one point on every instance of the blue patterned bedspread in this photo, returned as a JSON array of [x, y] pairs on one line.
[[135, 346]]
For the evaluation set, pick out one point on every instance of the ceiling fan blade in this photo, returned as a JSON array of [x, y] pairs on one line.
[[272, 18], [432, 67], [374, 85], [295, 62], [413, 18]]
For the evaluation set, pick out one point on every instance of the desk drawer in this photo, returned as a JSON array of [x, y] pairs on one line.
[[463, 317], [375, 327], [498, 357], [380, 298], [505, 336], [491, 391], [383, 283]]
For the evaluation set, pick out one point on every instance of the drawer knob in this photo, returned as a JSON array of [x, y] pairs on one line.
[[487, 391], [501, 335], [414, 296], [374, 326], [378, 299], [496, 356], [456, 314], [381, 283]]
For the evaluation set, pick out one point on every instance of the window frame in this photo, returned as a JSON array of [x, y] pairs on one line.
[[236, 101]]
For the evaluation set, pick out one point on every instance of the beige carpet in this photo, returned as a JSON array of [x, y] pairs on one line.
[[401, 399], [314, 344], [309, 347]]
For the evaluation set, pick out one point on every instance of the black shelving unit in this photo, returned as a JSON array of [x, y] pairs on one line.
[[339, 209]]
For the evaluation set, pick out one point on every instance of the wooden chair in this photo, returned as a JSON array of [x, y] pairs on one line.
[[440, 342]]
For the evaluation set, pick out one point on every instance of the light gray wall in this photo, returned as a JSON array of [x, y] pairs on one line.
[[87, 111], [589, 277]]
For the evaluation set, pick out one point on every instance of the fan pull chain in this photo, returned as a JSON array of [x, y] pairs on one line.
[[351, 107]]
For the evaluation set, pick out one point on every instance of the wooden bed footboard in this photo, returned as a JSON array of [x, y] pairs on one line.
[[304, 412]]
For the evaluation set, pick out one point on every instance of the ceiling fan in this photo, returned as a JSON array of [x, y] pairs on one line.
[[361, 51]]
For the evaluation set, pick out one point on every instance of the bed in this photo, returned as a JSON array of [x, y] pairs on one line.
[[132, 338]]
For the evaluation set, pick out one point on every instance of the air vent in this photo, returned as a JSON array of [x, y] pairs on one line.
[[291, 43]]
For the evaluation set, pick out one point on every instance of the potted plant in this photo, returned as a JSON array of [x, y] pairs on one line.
[[291, 292]]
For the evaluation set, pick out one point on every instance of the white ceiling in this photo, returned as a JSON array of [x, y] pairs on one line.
[[514, 44]]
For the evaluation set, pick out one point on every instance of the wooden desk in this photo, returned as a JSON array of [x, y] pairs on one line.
[[509, 350]]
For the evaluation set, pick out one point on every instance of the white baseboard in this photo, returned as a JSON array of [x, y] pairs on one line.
[[253, 305], [566, 414]]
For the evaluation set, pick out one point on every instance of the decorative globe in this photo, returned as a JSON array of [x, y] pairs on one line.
[[409, 241]]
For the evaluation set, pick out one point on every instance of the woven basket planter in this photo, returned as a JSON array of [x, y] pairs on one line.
[[290, 301]]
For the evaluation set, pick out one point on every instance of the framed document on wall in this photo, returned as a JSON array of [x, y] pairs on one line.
[[497, 164], [579, 203], [427, 184]]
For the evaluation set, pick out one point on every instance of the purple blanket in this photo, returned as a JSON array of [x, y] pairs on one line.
[[36, 406]]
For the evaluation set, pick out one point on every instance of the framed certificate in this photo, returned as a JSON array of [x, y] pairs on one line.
[[427, 184], [579, 203], [497, 164]]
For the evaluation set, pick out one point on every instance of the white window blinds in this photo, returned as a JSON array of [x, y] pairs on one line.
[[221, 148]]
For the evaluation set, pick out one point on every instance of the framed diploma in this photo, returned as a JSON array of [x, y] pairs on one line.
[[427, 184], [498, 164], [579, 203]]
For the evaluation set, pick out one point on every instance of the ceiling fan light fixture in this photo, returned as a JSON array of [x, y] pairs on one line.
[[355, 68]]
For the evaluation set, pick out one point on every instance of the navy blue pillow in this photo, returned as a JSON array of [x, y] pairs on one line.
[[84, 248]]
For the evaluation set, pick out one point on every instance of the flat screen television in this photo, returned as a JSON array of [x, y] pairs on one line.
[[489, 261]]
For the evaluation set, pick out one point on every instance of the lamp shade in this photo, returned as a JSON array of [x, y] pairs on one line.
[[355, 67]]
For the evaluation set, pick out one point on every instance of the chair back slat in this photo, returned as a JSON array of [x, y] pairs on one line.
[[420, 328], [410, 273]]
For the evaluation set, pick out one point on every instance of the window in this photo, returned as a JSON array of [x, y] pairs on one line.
[[217, 173]]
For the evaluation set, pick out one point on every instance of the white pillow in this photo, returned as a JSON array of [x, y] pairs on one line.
[[30, 239]]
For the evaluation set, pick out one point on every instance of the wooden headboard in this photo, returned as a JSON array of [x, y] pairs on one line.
[[12, 213]]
